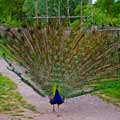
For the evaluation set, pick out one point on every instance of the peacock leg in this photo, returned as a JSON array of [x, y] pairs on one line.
[[54, 108], [58, 106]]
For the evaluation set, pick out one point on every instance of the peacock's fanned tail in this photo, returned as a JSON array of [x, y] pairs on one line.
[[75, 59]]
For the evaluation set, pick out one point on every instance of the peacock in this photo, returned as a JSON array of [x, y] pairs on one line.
[[62, 61], [57, 99]]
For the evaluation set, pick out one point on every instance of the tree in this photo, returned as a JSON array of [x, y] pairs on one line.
[[110, 6], [104, 12], [104, 5], [92, 15], [115, 11], [29, 7], [11, 11]]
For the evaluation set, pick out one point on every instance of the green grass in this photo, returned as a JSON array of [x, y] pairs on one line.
[[10, 99], [112, 92], [112, 88], [3, 49]]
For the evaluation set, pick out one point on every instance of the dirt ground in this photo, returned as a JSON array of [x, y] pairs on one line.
[[79, 108]]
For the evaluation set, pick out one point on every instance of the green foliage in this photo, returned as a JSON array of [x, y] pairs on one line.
[[116, 9], [105, 5], [100, 17], [104, 12], [30, 7], [11, 12], [116, 21], [111, 8], [9, 21]]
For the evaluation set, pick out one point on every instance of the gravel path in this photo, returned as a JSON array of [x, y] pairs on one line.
[[80, 108]]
